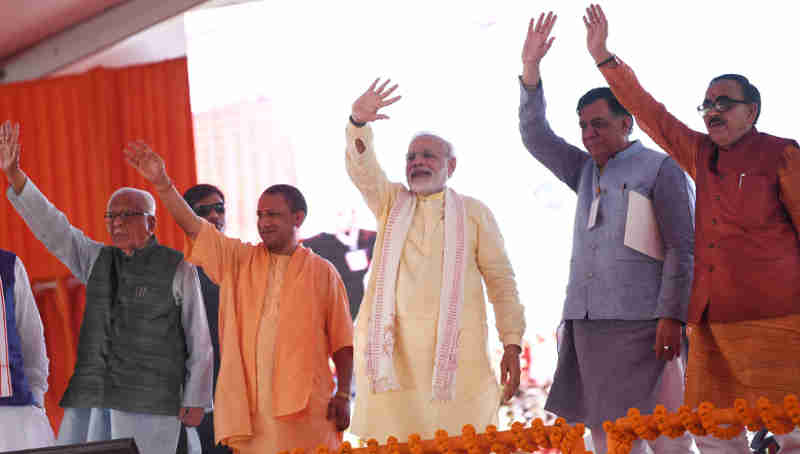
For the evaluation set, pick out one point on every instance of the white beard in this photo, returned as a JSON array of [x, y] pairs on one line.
[[429, 185]]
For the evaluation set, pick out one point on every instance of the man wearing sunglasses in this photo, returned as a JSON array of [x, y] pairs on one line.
[[144, 356], [208, 202], [744, 315]]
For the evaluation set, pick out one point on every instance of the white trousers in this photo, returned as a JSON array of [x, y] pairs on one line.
[[153, 434], [789, 443], [24, 427]]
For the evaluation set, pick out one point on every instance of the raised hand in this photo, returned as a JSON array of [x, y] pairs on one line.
[[536, 46], [367, 105], [537, 43], [596, 33], [9, 147], [150, 165]]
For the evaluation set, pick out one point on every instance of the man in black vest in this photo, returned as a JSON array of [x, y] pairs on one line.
[[144, 355], [208, 202]]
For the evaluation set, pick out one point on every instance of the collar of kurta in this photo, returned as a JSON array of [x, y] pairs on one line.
[[437, 196]]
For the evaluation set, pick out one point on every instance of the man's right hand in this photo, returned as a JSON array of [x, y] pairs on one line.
[[536, 46], [149, 164], [9, 147], [366, 107], [596, 33]]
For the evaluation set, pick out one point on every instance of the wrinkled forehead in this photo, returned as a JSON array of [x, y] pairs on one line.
[[725, 87], [130, 201], [428, 142]]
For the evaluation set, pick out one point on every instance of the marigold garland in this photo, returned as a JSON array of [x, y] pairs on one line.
[[723, 423]]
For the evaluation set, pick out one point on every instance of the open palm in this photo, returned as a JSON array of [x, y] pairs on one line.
[[538, 41], [367, 105], [146, 161], [9, 146], [596, 32]]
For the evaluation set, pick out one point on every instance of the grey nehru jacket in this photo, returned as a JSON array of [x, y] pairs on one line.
[[79, 253], [609, 280]]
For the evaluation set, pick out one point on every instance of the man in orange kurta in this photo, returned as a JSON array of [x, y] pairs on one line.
[[283, 314]]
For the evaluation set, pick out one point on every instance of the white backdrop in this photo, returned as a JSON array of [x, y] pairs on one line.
[[457, 64]]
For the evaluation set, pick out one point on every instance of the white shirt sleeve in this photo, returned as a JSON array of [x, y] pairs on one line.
[[198, 385], [31, 333]]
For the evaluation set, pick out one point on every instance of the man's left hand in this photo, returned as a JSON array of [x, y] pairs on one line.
[[191, 416], [339, 412], [510, 371], [668, 339]]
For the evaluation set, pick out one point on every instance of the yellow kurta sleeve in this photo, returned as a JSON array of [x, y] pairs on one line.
[[367, 174], [214, 252], [339, 324], [501, 286]]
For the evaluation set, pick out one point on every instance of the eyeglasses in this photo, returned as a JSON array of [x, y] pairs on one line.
[[721, 104], [123, 215], [205, 210]]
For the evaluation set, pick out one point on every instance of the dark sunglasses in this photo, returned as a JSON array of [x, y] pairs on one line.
[[205, 210], [721, 104]]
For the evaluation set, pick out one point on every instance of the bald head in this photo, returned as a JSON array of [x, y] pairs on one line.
[[142, 200], [130, 218]]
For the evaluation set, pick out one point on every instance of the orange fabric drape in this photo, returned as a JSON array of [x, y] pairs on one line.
[[73, 130], [61, 304]]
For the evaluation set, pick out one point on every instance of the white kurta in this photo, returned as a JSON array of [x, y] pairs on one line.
[[419, 281], [27, 427]]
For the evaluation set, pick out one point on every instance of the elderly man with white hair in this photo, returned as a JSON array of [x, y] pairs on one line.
[[144, 356], [421, 338]]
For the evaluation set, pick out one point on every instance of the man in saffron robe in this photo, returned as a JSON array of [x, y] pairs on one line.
[[283, 315], [422, 334], [744, 314]]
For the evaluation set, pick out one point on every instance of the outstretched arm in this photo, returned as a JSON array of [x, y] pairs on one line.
[[564, 160], [50, 226], [151, 166], [362, 164], [668, 132]]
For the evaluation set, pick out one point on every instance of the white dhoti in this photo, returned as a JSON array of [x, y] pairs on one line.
[[153, 434], [24, 428]]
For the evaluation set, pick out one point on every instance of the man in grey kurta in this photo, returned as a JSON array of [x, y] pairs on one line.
[[622, 321], [144, 355]]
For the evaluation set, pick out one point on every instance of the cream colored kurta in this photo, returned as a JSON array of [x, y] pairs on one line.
[[419, 281]]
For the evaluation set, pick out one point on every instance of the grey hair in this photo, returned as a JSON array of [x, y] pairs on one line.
[[148, 198], [451, 151]]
